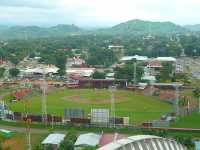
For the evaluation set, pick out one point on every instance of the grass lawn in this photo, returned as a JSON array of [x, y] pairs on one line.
[[19, 141], [138, 108], [192, 121]]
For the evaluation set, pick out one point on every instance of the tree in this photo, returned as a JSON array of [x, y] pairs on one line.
[[2, 70], [166, 71], [14, 72], [61, 63], [127, 72], [68, 143], [196, 93], [98, 75], [89, 148]]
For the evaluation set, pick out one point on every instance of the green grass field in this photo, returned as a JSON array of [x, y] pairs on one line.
[[139, 108], [192, 121]]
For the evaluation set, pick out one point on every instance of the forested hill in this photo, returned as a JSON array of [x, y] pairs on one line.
[[132, 27], [144, 27], [193, 27], [23, 32]]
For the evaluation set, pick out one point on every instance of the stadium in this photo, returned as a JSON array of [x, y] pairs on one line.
[[144, 142]]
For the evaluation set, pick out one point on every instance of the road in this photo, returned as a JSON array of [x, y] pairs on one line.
[[33, 130]]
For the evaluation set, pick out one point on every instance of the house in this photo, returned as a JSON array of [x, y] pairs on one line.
[[40, 70], [88, 139], [75, 61], [82, 72], [153, 67], [54, 140]]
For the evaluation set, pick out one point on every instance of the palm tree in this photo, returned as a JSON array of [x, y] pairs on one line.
[[196, 93]]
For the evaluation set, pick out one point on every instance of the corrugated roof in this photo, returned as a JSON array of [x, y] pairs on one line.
[[54, 139], [89, 139]]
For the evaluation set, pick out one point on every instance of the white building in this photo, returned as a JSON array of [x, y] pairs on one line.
[[83, 72]]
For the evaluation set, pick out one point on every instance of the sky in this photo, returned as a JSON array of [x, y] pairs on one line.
[[97, 13]]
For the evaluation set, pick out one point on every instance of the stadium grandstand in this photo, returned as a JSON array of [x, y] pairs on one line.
[[144, 142]]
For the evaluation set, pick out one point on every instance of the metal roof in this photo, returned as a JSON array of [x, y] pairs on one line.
[[197, 145], [166, 59], [89, 139], [54, 139], [137, 57]]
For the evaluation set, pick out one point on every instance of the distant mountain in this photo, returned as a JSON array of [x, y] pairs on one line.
[[22, 32], [142, 27], [193, 27]]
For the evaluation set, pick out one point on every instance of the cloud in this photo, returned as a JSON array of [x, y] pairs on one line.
[[97, 12]]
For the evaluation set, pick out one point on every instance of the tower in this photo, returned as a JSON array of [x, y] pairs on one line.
[[112, 89]]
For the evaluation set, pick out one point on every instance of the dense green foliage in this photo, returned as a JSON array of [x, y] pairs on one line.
[[127, 72], [14, 72], [68, 143], [98, 75], [166, 72], [142, 27], [24, 32], [2, 70], [61, 62]]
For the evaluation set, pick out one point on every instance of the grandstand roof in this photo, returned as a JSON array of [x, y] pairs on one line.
[[54, 139], [142, 141]]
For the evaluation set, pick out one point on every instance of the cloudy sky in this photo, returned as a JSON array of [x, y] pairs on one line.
[[93, 13]]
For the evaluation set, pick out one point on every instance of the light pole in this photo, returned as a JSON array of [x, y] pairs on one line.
[[134, 71], [112, 89]]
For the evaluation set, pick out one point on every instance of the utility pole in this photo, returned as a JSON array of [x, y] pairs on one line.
[[28, 133], [112, 89], [44, 91], [176, 104]]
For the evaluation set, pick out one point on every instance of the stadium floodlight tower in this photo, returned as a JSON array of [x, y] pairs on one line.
[[112, 89], [134, 60], [176, 102], [44, 87]]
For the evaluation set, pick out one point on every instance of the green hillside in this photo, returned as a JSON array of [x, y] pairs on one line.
[[141, 27]]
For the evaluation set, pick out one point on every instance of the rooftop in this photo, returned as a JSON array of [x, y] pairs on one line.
[[89, 139], [54, 139], [137, 57]]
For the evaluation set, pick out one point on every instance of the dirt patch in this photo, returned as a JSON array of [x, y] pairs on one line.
[[79, 99]]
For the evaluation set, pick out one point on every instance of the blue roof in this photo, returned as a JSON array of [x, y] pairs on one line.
[[197, 145]]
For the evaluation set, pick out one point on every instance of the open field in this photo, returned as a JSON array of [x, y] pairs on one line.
[[192, 121], [139, 108], [19, 141]]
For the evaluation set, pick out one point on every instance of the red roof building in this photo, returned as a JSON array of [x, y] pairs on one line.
[[108, 138], [154, 64]]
